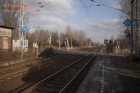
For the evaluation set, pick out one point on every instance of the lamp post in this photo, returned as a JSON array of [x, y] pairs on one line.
[[59, 35], [71, 41]]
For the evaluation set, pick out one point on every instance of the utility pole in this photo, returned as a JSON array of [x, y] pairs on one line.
[[71, 42], [21, 33], [36, 47], [131, 32], [113, 41], [50, 39], [68, 45], [105, 36], [59, 41], [135, 12]]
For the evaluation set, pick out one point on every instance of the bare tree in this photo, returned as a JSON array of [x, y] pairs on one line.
[[126, 6], [10, 14], [76, 38]]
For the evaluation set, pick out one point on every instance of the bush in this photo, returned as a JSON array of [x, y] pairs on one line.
[[9, 55], [14, 55]]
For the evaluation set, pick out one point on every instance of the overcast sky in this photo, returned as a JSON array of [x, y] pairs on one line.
[[96, 21]]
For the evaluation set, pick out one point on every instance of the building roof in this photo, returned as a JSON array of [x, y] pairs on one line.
[[2, 26]]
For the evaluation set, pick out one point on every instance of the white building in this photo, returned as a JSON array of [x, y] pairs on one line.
[[18, 45]]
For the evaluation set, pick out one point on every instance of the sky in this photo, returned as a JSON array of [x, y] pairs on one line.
[[97, 22]]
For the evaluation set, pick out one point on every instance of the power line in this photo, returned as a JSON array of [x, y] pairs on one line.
[[86, 10], [101, 4]]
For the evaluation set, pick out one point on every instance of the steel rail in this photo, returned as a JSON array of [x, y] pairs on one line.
[[28, 90]]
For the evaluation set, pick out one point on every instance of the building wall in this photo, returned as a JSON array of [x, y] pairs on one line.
[[5, 39]]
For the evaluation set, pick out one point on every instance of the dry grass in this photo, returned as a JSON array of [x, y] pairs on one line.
[[10, 55]]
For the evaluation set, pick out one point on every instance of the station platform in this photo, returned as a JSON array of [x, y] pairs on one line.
[[100, 79]]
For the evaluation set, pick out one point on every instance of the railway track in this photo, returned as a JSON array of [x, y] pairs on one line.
[[15, 67], [60, 81], [9, 70], [41, 71], [25, 66]]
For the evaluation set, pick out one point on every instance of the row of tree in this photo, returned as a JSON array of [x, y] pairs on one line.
[[47, 38], [10, 19], [41, 36]]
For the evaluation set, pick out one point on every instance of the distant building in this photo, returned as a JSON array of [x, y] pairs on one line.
[[5, 37]]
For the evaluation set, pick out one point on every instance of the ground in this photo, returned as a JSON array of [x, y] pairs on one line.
[[100, 79]]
